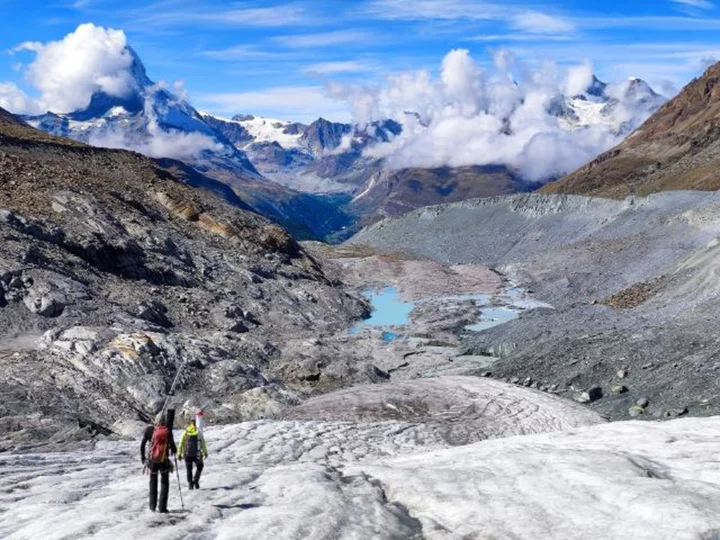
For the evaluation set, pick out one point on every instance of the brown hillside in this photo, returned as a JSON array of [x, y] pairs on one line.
[[393, 193], [677, 148]]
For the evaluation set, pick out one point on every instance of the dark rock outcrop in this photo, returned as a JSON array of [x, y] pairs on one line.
[[115, 275]]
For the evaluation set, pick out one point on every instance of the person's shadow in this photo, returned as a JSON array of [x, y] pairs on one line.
[[243, 506]]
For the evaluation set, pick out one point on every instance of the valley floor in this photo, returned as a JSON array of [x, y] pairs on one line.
[[343, 480], [633, 285]]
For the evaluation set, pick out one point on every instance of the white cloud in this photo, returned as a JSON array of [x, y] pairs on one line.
[[158, 144], [363, 101], [156, 141], [676, 24], [518, 37], [16, 101], [414, 10], [702, 4], [243, 52], [541, 23], [330, 68], [267, 16], [162, 14], [34, 46], [326, 39], [578, 79], [469, 116], [68, 72]]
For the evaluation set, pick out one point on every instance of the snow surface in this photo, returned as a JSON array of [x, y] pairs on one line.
[[393, 479], [293, 480], [265, 129], [589, 113]]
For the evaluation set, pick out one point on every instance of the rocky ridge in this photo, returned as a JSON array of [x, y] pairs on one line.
[[114, 274]]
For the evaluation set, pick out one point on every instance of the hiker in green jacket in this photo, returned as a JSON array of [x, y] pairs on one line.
[[193, 449]]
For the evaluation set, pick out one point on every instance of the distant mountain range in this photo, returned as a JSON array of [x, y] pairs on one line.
[[329, 157], [153, 121], [318, 180], [621, 109], [677, 148]]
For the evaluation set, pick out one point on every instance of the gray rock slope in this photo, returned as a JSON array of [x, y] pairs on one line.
[[633, 284], [114, 275]]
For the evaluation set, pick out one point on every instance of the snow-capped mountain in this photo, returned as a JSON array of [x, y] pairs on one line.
[[153, 121], [264, 129], [336, 157], [621, 107], [322, 157], [292, 172], [676, 148]]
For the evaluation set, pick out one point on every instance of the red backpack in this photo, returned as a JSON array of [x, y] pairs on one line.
[[159, 444]]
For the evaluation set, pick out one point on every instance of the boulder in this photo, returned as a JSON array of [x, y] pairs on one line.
[[636, 411], [129, 429], [237, 327], [154, 312], [674, 413], [230, 318], [50, 304], [588, 396]]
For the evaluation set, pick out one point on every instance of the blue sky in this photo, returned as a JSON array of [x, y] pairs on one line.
[[274, 58]]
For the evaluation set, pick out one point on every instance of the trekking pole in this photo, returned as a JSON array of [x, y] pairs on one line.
[[177, 475], [172, 387]]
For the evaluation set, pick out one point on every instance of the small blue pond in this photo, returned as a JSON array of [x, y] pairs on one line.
[[490, 317], [387, 337], [388, 310]]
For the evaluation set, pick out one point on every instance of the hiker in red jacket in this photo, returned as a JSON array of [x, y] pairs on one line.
[[158, 461]]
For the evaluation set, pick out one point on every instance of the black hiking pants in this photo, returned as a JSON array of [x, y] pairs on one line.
[[164, 470], [193, 482]]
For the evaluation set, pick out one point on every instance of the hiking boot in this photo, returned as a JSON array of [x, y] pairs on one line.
[[197, 485], [163, 511], [191, 485]]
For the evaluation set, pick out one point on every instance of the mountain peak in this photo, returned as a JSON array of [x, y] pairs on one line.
[[132, 102], [635, 83], [324, 135], [137, 70], [597, 88], [676, 148]]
